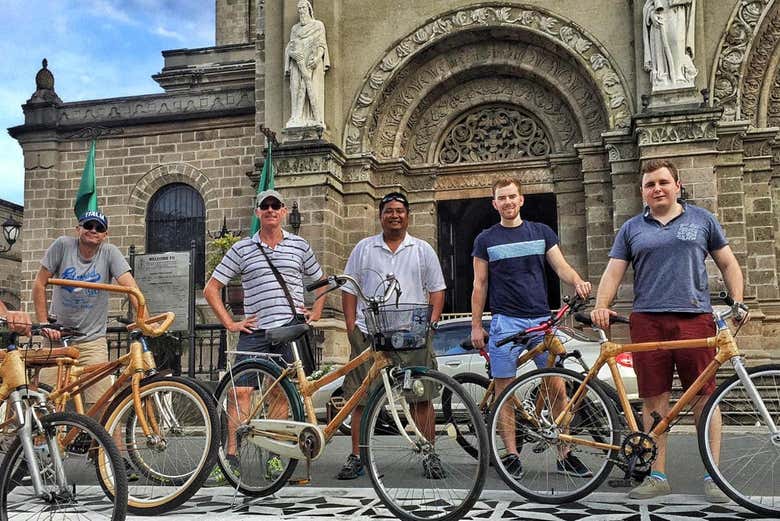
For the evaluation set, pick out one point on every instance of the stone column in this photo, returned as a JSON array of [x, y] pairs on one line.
[[597, 191], [570, 202], [756, 200]]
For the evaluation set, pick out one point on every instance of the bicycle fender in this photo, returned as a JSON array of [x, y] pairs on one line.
[[286, 383]]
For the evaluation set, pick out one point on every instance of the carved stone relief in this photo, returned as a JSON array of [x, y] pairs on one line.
[[615, 97], [493, 133], [428, 122], [535, 78], [529, 177], [732, 52], [757, 71], [677, 133]]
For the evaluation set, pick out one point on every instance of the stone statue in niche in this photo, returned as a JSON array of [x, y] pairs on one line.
[[668, 33], [305, 62]]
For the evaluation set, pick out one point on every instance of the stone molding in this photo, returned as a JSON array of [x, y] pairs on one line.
[[165, 174], [758, 76], [672, 129], [590, 54], [165, 107], [731, 62], [424, 98]]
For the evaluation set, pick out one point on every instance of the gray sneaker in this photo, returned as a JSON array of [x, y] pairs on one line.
[[651, 487], [713, 493]]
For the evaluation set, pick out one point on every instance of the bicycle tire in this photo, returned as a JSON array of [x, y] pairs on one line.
[[542, 480], [93, 452], [476, 386], [252, 477], [173, 467], [746, 468], [393, 471]]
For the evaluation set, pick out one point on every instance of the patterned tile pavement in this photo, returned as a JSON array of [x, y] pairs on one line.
[[357, 504]]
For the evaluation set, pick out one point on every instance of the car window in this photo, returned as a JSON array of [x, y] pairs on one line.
[[447, 338]]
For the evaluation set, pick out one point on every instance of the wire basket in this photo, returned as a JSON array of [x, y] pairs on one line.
[[399, 327]]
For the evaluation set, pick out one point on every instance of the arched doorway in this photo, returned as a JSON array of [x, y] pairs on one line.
[[176, 216]]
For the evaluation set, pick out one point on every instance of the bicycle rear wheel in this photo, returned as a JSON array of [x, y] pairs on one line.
[[89, 463], [172, 464], [546, 477], [475, 386], [747, 468], [253, 470], [431, 477]]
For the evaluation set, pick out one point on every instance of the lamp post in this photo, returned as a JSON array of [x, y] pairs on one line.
[[295, 218], [11, 229]]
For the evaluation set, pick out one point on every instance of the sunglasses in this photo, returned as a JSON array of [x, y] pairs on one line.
[[93, 225], [392, 197], [275, 205]]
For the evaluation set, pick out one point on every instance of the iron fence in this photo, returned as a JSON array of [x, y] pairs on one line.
[[170, 350]]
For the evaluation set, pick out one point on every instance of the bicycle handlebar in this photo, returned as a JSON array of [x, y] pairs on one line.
[[142, 320], [337, 281], [37, 329], [584, 318]]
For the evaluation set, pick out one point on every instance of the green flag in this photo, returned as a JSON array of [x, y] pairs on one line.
[[266, 183], [86, 198]]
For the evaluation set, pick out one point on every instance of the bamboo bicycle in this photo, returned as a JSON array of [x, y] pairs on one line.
[[57, 465], [482, 389], [166, 426], [748, 406], [281, 426]]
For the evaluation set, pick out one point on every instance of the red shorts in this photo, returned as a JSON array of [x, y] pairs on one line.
[[655, 369]]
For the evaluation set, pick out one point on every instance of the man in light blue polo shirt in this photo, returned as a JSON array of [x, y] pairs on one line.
[[667, 245]]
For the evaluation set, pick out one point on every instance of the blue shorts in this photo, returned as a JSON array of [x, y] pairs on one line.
[[503, 360]]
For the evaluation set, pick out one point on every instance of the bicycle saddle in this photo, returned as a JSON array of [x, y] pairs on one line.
[[284, 334]]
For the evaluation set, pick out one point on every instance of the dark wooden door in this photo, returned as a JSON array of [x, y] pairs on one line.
[[460, 221]]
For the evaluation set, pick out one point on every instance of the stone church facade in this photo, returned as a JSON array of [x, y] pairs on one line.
[[438, 99]]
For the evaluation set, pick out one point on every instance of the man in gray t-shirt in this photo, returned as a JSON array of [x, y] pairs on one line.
[[88, 258]]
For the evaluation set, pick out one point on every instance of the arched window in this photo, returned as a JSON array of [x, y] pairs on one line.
[[176, 216]]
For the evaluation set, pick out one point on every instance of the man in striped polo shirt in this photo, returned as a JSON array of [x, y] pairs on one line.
[[265, 303]]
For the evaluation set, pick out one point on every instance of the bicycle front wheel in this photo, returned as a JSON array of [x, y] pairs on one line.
[[427, 476], [744, 461], [75, 490], [171, 464], [543, 468], [253, 470]]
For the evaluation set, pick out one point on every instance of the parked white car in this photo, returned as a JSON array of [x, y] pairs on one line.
[[453, 359]]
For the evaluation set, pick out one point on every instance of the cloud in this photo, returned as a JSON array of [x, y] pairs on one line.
[[165, 33]]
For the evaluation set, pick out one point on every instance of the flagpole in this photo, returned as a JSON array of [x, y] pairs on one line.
[[266, 180]]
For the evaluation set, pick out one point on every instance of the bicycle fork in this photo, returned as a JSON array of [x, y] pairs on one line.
[[26, 418], [407, 385], [752, 393]]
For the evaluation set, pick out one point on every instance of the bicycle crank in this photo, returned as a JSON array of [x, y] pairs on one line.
[[292, 439]]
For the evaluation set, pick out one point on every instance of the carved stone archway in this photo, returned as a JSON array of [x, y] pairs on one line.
[[592, 59], [742, 59]]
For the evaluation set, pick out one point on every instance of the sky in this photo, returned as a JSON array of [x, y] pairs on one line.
[[95, 48]]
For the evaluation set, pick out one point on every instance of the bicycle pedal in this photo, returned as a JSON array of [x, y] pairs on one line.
[[622, 483], [299, 482]]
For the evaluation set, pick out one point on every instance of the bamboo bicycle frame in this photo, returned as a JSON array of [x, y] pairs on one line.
[[726, 349], [306, 389], [72, 380]]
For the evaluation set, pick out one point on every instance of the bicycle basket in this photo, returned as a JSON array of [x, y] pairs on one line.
[[399, 327]]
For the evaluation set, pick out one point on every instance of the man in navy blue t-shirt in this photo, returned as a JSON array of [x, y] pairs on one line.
[[509, 265]]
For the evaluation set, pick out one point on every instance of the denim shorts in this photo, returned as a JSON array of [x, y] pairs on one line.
[[256, 342], [503, 360]]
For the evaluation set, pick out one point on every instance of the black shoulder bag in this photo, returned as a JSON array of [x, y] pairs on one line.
[[305, 343]]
